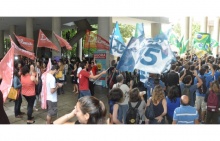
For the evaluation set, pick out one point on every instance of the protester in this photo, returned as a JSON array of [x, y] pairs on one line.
[[84, 79], [88, 110], [17, 85], [28, 83], [52, 88], [185, 114], [159, 106]]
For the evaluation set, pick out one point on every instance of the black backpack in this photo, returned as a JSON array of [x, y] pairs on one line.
[[132, 115], [203, 89]]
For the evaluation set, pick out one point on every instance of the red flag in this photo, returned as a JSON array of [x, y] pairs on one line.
[[63, 42], [43, 41], [22, 52], [7, 70], [26, 43], [95, 41], [44, 86]]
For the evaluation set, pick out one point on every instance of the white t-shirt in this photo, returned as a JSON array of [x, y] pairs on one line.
[[125, 89], [51, 83], [78, 71]]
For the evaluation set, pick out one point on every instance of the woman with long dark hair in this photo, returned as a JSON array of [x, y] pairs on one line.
[[88, 110], [28, 82]]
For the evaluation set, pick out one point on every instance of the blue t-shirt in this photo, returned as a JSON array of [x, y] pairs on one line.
[[192, 89], [185, 115], [209, 78], [217, 74], [171, 106]]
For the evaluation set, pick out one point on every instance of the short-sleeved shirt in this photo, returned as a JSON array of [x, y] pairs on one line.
[[217, 74], [192, 89], [209, 78], [125, 89], [172, 105], [84, 80], [185, 115], [51, 83]]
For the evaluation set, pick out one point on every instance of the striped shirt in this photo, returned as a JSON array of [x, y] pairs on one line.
[[185, 115]]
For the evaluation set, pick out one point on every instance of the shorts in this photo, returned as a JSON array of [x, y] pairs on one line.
[[84, 93], [200, 103], [51, 108]]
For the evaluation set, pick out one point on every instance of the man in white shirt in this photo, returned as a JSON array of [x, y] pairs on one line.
[[52, 87]]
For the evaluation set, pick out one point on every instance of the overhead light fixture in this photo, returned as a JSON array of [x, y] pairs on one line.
[[69, 24]]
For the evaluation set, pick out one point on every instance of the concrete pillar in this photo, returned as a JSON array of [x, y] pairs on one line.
[[185, 29], [104, 30], [216, 34], [155, 29], [2, 44], [79, 49], [204, 25], [30, 29], [12, 30], [56, 27]]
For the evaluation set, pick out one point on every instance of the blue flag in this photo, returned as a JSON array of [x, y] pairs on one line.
[[117, 45], [151, 56], [128, 58], [139, 31], [144, 75]]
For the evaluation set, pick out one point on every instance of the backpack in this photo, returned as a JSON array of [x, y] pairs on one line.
[[203, 89], [186, 91], [212, 102], [132, 115]]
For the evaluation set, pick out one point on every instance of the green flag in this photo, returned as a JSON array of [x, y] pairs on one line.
[[214, 43], [173, 40], [183, 46], [202, 41]]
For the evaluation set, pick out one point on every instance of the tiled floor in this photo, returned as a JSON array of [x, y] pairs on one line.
[[66, 103]]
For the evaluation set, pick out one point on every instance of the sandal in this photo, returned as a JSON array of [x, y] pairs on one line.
[[18, 116], [30, 122], [35, 109]]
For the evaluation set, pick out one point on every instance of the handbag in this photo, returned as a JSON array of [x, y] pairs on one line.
[[13, 94], [149, 113], [59, 74]]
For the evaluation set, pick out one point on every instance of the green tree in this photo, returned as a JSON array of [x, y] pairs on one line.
[[126, 31], [195, 28]]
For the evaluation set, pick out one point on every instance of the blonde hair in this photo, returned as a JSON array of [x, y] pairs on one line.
[[215, 86], [158, 94]]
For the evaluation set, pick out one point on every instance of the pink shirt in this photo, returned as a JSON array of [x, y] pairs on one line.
[[28, 86]]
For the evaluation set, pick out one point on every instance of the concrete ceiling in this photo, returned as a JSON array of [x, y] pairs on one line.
[[44, 23]]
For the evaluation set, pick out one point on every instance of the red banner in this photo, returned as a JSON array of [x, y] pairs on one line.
[[43, 41], [7, 70], [26, 43], [63, 42], [95, 41], [22, 52]]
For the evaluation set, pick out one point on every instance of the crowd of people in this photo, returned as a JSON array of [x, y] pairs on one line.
[[185, 94]]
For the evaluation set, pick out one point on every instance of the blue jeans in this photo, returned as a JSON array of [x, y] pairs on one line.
[[84, 93], [17, 107], [122, 109]]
